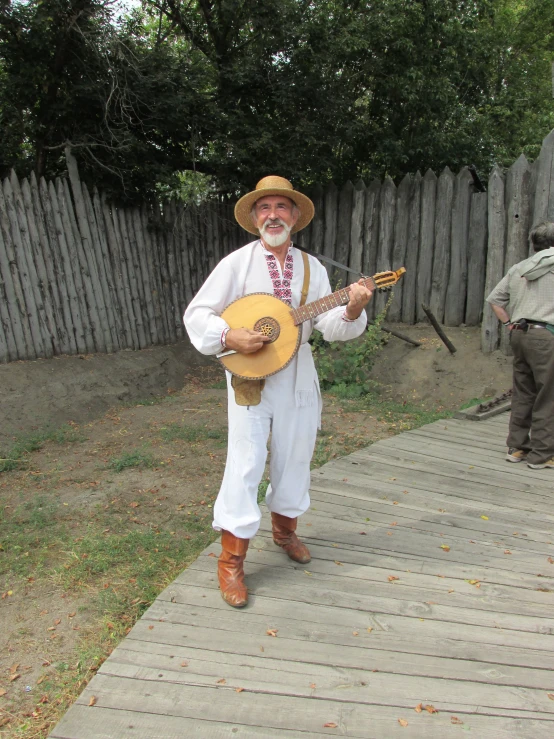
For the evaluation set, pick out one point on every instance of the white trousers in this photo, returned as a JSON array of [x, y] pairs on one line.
[[293, 435]]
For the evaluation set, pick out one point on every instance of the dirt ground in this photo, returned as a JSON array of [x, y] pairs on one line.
[[181, 441]]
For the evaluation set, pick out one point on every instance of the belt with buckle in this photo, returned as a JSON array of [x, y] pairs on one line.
[[525, 325]]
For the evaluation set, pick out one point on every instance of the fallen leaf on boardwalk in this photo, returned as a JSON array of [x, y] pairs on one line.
[[211, 554], [551, 696], [312, 686], [362, 533], [430, 709], [184, 663], [507, 551], [150, 627], [392, 478], [390, 578], [272, 632], [389, 533], [239, 690], [369, 629], [471, 467], [307, 572], [92, 700], [485, 518], [335, 545], [451, 591], [345, 479], [222, 681], [394, 502], [340, 564], [355, 633], [455, 720], [402, 722], [330, 725], [419, 708], [445, 547], [551, 560], [393, 523], [262, 649]]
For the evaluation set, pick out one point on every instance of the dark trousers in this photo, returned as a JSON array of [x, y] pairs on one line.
[[532, 418]]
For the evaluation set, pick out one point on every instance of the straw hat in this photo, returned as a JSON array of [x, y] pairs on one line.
[[273, 185]]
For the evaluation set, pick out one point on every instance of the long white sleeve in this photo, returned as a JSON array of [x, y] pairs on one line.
[[202, 317]]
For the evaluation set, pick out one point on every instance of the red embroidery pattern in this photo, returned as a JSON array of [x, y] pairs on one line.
[[281, 287]]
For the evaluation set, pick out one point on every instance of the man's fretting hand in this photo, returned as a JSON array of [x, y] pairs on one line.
[[245, 341], [360, 295]]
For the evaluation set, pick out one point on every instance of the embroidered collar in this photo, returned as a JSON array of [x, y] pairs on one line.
[[281, 285]]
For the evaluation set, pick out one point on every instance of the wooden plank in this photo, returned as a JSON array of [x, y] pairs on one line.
[[102, 332], [404, 196], [8, 345], [544, 190], [398, 690], [441, 257], [122, 338], [344, 227], [25, 272], [153, 267], [457, 280], [166, 294], [107, 298], [290, 712], [121, 275], [387, 212], [411, 278], [495, 256], [371, 236], [476, 259], [120, 724], [79, 283], [184, 245], [518, 220], [355, 261], [134, 225], [135, 277], [60, 332], [175, 314], [331, 199], [316, 236], [25, 203], [56, 265], [427, 243], [13, 302]]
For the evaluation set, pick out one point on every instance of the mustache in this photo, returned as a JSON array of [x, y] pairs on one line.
[[274, 222]]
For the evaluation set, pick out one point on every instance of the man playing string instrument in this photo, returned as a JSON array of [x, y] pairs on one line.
[[287, 403]]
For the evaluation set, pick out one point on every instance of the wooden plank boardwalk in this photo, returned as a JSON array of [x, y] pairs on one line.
[[432, 582]]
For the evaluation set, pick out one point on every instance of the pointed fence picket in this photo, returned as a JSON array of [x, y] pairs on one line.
[[79, 275]]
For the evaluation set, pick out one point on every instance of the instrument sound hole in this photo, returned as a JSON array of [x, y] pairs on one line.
[[268, 327]]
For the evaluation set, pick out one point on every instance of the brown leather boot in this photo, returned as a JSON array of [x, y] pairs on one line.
[[230, 571], [284, 536]]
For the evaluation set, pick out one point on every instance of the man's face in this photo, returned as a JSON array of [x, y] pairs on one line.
[[274, 216]]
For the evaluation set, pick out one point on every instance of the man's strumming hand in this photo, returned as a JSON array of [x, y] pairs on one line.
[[245, 341]]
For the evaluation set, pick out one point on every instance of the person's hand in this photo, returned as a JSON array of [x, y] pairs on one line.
[[360, 295], [245, 341]]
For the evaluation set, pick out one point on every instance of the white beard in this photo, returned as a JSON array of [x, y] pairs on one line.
[[274, 240]]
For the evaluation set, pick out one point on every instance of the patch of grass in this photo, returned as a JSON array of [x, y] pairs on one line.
[[177, 431], [138, 458], [402, 416], [219, 385], [16, 456], [262, 490], [471, 403]]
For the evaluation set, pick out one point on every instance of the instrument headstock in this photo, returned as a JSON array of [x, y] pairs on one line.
[[385, 280]]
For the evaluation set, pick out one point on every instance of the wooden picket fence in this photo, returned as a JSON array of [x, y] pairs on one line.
[[78, 275]]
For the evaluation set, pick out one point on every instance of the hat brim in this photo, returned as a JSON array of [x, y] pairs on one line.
[[243, 208]]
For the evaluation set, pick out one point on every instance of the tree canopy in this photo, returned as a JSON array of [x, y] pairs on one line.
[[316, 90]]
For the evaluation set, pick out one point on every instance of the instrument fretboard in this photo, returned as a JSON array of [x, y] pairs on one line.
[[317, 307]]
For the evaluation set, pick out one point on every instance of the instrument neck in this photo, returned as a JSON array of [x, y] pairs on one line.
[[317, 307]]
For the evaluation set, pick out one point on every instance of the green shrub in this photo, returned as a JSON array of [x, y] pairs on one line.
[[344, 366]]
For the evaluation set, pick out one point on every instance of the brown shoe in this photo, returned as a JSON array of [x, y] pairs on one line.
[[230, 570], [284, 536]]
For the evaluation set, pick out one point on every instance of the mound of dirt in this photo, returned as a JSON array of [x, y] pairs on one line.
[[431, 376], [50, 392]]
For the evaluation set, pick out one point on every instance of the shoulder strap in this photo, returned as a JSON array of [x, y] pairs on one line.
[[306, 284], [323, 258]]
